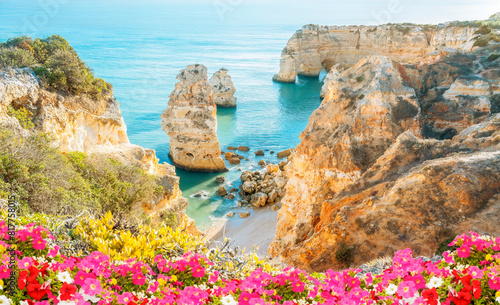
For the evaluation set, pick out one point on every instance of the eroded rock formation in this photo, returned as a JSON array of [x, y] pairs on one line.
[[191, 123], [85, 125], [314, 46], [223, 89], [369, 176]]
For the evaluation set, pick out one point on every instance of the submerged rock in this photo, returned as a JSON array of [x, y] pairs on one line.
[[223, 89], [220, 180], [191, 123], [259, 152], [221, 192]]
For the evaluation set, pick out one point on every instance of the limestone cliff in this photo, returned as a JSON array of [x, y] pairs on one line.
[[77, 123], [374, 173], [314, 46], [223, 89], [191, 123]]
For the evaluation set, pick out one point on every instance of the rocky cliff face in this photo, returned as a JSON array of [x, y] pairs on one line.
[[313, 46], [80, 124], [374, 172], [223, 89], [191, 123]]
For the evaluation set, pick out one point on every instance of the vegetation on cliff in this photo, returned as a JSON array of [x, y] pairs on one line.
[[49, 181], [56, 64]]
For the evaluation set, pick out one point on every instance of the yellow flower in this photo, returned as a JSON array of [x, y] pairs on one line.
[[113, 282], [161, 281], [488, 257], [173, 278], [497, 294]]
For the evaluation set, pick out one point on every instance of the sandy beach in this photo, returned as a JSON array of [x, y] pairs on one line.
[[256, 230]]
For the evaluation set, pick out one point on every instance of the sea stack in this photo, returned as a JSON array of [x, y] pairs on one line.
[[223, 89], [191, 124]]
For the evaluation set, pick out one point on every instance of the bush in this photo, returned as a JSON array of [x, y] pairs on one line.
[[56, 64], [103, 236], [50, 182], [360, 78], [345, 254], [16, 58], [492, 57], [41, 177], [22, 115]]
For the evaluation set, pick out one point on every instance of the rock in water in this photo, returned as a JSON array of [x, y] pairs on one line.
[[191, 123], [220, 180], [259, 152], [223, 89], [285, 153], [221, 192]]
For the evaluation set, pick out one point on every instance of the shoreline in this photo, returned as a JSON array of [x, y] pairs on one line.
[[256, 230]]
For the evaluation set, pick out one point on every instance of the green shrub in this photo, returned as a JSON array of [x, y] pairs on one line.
[[17, 58], [483, 30], [22, 115], [443, 246], [47, 181], [56, 64], [360, 78], [345, 254], [492, 57]]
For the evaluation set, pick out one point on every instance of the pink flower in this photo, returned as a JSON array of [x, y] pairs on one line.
[[125, 298], [139, 279], [475, 272], [198, 271], [39, 244], [25, 263], [407, 289], [81, 276], [257, 301], [298, 286], [494, 283], [92, 287], [463, 251]]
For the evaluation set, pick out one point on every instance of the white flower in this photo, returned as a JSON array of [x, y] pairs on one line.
[[391, 289], [65, 277], [65, 303], [26, 303], [228, 300], [5, 300], [434, 282], [87, 297], [498, 300]]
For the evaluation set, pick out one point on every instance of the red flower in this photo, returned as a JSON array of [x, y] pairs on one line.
[[67, 291], [35, 291], [33, 273], [21, 281], [476, 289], [463, 298], [431, 296]]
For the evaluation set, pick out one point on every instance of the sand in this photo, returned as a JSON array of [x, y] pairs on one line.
[[256, 230]]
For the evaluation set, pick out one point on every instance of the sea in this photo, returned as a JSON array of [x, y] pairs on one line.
[[140, 47]]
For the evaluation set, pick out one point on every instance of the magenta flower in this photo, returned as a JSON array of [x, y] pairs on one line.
[[406, 289], [92, 287], [139, 279], [463, 251], [39, 244], [475, 272], [125, 298]]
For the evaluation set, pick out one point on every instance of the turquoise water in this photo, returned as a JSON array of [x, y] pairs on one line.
[[140, 46]]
